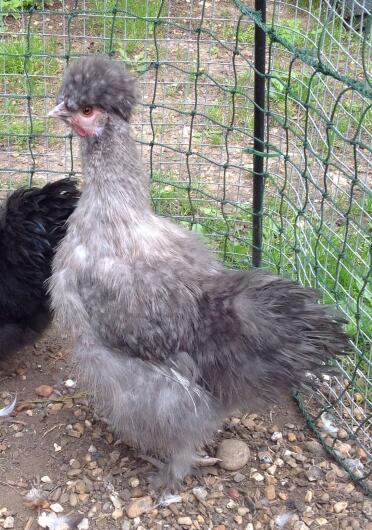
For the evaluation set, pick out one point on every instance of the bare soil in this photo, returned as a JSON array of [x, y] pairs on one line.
[[55, 444]]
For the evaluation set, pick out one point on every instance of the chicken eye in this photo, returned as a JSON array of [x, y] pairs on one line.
[[87, 111]]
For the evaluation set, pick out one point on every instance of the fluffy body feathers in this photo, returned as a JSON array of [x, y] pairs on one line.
[[32, 223], [169, 340]]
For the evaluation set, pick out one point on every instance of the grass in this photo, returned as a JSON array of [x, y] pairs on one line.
[[26, 75], [131, 30]]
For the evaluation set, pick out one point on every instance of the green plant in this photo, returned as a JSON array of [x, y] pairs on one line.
[[25, 73], [131, 23], [12, 7]]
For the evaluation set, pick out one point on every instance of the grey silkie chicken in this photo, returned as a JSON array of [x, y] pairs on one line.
[[169, 341]]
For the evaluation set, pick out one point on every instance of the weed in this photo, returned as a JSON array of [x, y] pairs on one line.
[[26, 73], [130, 21]]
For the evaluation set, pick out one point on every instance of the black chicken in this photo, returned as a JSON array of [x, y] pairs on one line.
[[32, 223], [169, 340]]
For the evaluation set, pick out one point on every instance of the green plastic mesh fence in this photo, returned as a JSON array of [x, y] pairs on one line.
[[195, 66]]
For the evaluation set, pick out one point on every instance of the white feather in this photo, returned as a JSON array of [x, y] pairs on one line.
[[52, 521], [6, 411]]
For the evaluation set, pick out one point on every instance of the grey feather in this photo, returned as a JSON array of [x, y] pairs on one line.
[[169, 340]]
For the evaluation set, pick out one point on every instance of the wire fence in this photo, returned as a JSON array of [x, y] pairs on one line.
[[195, 63]]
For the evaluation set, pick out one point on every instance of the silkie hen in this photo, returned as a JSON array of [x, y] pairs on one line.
[[169, 340], [32, 223]]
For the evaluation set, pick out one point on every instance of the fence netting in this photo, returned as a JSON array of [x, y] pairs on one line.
[[195, 68]]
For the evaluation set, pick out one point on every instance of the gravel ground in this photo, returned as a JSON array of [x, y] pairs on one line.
[[60, 467]]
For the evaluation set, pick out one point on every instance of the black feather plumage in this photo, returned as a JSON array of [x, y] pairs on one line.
[[32, 223]]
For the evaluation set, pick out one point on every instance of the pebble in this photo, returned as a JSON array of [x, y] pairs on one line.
[[125, 525], [200, 493], [361, 454], [54, 408], [80, 486], [300, 525], [84, 524], [239, 477], [324, 497], [314, 447], [117, 514], [56, 508], [184, 521], [44, 390], [271, 470], [8, 522], [270, 493], [340, 506], [69, 383], [309, 496], [238, 519], [234, 454], [46, 479], [291, 437], [73, 500], [139, 506], [134, 482], [321, 521], [242, 510], [314, 473], [276, 436], [258, 477]]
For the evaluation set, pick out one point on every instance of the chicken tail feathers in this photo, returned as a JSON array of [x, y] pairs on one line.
[[274, 337]]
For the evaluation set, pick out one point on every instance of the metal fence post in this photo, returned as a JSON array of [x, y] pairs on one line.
[[259, 134]]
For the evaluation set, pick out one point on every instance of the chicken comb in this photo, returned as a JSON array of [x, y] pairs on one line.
[[100, 82]]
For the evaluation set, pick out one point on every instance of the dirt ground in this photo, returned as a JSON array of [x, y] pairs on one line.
[[56, 446]]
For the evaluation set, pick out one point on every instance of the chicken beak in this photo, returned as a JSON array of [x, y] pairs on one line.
[[59, 111]]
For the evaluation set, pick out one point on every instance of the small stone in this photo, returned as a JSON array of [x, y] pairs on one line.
[[325, 497], [242, 510], [44, 390], [8, 522], [314, 473], [258, 477], [139, 506], [291, 437], [57, 448], [239, 477], [125, 525], [84, 524], [270, 493], [360, 453], [249, 526], [200, 493], [69, 383], [309, 496], [234, 493], [349, 487], [282, 495], [342, 434], [134, 482], [54, 408], [314, 447], [238, 519], [234, 454], [271, 470], [184, 521], [117, 514], [46, 479], [80, 486], [73, 500], [276, 436], [340, 506], [92, 449], [321, 521], [57, 508], [300, 525]]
